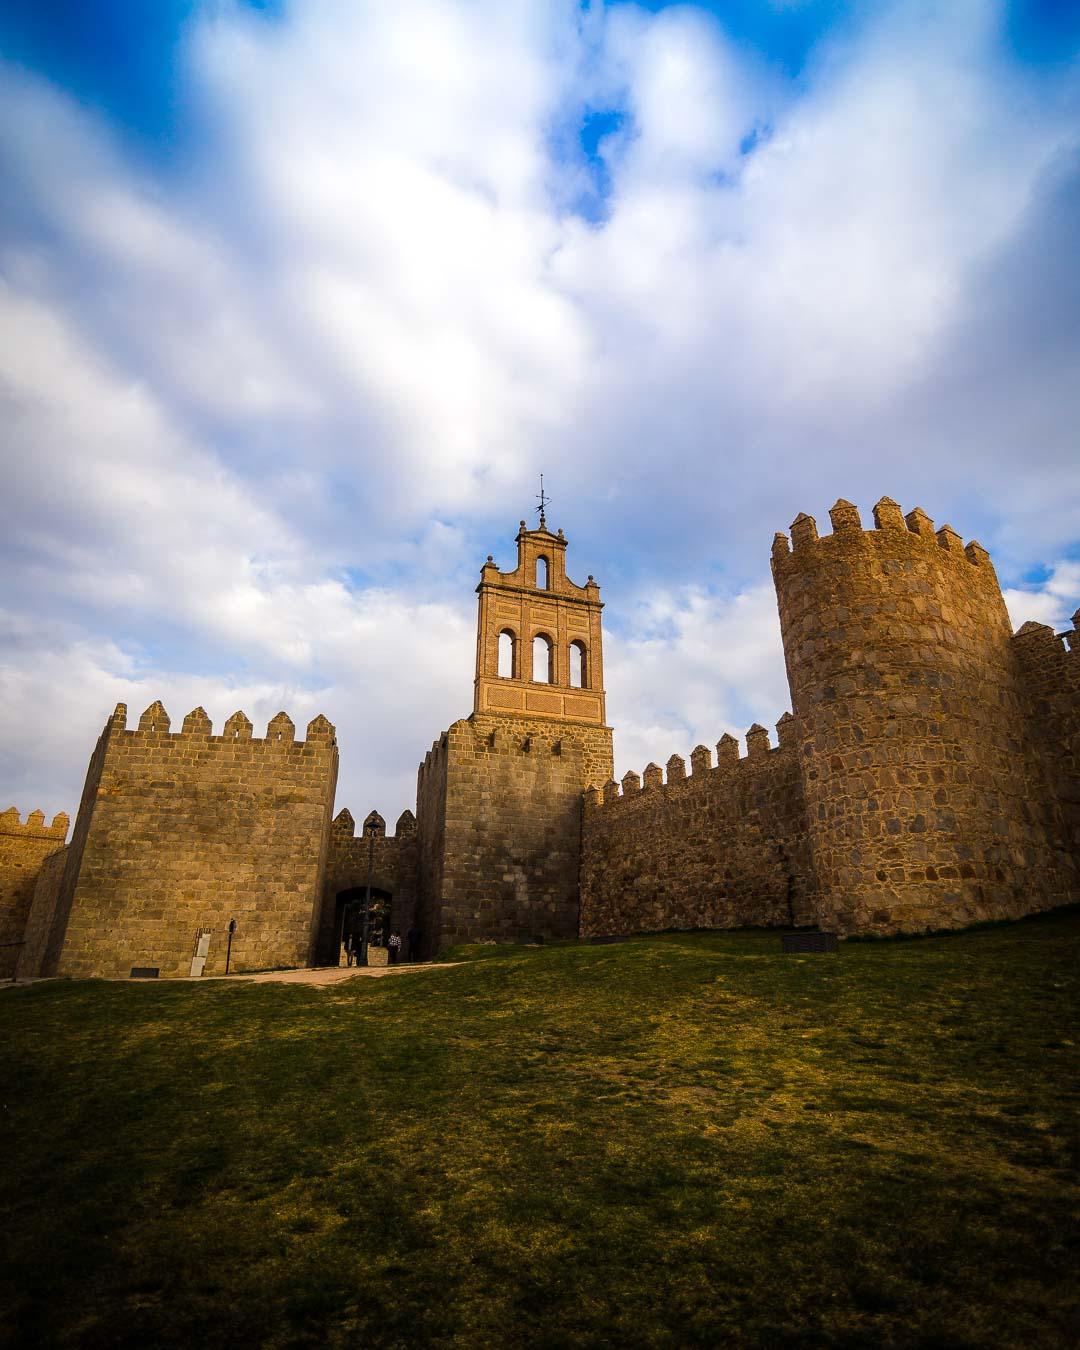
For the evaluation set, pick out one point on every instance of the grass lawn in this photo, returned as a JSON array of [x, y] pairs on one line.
[[682, 1140]]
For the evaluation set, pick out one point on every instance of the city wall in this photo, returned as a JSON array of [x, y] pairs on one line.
[[393, 870], [24, 848], [929, 804], [723, 846], [1049, 670], [181, 832], [500, 828]]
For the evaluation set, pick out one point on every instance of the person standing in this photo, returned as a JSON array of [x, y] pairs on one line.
[[393, 947]]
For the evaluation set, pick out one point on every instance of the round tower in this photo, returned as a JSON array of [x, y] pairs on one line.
[[925, 808]]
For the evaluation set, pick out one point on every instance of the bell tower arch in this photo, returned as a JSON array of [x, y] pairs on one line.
[[550, 630]]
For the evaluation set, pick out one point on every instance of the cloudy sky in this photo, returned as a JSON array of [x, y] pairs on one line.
[[297, 299]]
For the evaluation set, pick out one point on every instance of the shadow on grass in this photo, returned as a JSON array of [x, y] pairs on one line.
[[687, 1139]]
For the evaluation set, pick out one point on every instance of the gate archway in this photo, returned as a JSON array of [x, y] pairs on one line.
[[349, 917]]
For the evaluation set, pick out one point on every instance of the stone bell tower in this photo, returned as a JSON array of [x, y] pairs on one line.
[[499, 795], [538, 641]]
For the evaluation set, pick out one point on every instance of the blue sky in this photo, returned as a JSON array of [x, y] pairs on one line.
[[296, 302]]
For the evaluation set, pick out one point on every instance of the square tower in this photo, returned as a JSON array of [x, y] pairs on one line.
[[499, 796]]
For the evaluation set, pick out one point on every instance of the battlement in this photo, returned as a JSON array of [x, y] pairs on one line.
[[34, 826], [806, 546], [702, 769], [1039, 640], [344, 826], [154, 726]]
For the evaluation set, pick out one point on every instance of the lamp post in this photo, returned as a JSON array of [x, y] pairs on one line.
[[362, 961], [228, 949]]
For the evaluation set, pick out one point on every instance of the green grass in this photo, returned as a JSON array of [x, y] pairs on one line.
[[681, 1140]]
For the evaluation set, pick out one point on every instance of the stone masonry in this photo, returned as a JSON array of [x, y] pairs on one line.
[[927, 777], [499, 796], [180, 832], [23, 851]]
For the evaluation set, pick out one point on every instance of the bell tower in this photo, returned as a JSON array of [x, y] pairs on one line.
[[539, 647], [499, 794]]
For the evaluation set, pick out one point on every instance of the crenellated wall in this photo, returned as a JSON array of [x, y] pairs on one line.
[[24, 847], [1049, 671], [182, 831], [722, 846], [927, 804], [927, 777], [499, 823], [392, 869]]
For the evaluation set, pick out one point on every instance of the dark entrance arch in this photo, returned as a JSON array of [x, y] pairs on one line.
[[349, 917]]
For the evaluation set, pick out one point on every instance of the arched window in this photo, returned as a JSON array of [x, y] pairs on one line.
[[543, 660], [542, 573], [507, 643], [579, 666]]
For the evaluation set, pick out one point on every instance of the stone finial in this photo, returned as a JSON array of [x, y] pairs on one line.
[[611, 791], [344, 823], [196, 723], [36, 820], [803, 531], [676, 769], [60, 823], [592, 796], [653, 777], [10, 816], [757, 742], [281, 728], [976, 554], [949, 540], [320, 729], [785, 730], [700, 760], [155, 719], [237, 727], [888, 516], [727, 750], [118, 720], [631, 783], [374, 825], [406, 823], [918, 522], [781, 545], [845, 517], [1034, 629]]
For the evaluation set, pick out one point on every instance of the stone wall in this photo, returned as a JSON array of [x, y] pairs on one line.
[[1049, 672], [42, 914], [393, 872], [927, 806], [179, 832], [23, 850], [500, 858], [724, 846], [431, 784]]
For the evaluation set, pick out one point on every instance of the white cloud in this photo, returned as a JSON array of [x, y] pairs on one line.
[[263, 416], [1053, 601]]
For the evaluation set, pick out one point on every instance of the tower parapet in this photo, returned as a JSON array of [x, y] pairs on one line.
[[926, 808]]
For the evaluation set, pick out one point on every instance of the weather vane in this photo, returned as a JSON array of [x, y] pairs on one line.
[[544, 501]]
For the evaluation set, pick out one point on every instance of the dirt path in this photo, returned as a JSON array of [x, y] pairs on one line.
[[326, 975]]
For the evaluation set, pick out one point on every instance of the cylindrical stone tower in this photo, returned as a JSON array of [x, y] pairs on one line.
[[925, 807]]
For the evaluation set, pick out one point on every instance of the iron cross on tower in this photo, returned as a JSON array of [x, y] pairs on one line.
[[544, 501]]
